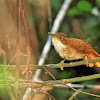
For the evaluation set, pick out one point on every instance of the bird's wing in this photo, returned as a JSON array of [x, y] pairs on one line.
[[81, 46]]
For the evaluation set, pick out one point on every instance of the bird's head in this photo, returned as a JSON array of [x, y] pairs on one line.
[[59, 38]]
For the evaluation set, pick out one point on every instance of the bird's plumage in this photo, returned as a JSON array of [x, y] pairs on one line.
[[73, 49]]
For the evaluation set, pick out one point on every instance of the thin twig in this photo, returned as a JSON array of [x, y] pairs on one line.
[[49, 95], [83, 91], [74, 94], [77, 86], [18, 50], [49, 73]]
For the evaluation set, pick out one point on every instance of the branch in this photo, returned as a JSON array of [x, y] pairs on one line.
[[71, 64], [77, 86], [77, 79], [28, 83]]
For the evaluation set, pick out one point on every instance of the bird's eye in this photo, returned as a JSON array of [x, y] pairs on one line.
[[60, 37]]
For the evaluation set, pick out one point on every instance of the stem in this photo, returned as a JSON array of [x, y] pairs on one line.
[[28, 83], [77, 79], [71, 64]]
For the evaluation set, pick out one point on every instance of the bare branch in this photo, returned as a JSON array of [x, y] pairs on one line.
[[71, 64]]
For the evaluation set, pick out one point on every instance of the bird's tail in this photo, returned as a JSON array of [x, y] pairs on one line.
[[91, 56]]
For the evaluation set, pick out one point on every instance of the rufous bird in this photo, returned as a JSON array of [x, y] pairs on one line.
[[73, 49]]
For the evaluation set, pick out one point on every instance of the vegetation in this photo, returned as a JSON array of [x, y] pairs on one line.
[[25, 49]]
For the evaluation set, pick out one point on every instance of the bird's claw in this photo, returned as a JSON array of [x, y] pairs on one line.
[[61, 65], [86, 61], [88, 64]]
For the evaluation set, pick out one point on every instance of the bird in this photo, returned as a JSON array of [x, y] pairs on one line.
[[73, 49]]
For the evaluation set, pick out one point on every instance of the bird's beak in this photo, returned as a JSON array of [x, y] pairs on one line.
[[53, 35]]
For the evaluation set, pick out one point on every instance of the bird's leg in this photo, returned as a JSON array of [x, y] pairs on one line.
[[88, 64], [61, 64], [86, 61]]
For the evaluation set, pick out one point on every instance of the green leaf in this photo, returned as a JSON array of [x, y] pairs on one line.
[[85, 6], [75, 11]]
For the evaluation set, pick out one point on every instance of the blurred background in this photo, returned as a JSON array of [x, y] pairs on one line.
[[24, 27]]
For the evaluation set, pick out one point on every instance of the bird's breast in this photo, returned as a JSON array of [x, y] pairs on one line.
[[66, 52]]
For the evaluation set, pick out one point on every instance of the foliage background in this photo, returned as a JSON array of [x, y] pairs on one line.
[[79, 22]]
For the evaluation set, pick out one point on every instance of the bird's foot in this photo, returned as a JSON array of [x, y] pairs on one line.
[[88, 64], [61, 64], [85, 59]]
